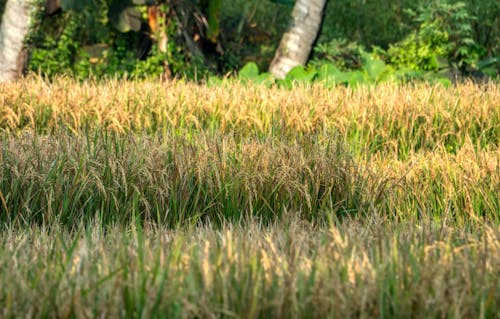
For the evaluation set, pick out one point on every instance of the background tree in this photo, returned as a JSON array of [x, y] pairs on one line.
[[296, 44], [15, 25]]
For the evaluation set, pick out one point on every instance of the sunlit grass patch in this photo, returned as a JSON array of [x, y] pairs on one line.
[[388, 118]]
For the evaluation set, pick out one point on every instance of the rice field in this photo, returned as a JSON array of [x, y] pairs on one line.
[[175, 200]]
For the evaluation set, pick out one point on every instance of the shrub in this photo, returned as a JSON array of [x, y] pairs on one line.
[[443, 38]]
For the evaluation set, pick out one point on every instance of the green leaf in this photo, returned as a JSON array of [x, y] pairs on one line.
[[214, 9], [488, 62], [249, 72], [300, 74], [374, 68], [356, 78], [327, 74], [351, 78], [214, 81], [328, 70], [490, 71], [265, 78], [444, 82]]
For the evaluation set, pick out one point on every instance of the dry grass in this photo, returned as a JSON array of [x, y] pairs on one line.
[[387, 117], [461, 186]]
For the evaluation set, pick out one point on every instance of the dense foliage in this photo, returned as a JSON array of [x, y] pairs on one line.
[[215, 37]]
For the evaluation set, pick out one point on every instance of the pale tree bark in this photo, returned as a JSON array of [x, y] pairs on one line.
[[13, 30], [296, 43]]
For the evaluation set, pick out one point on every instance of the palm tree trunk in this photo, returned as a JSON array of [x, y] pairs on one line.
[[296, 43], [13, 30]]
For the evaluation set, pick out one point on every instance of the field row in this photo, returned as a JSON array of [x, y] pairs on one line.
[[287, 270], [66, 179], [388, 119]]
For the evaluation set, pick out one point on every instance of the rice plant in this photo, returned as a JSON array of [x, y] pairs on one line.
[[173, 200]]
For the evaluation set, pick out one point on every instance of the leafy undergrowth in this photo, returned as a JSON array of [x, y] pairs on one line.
[[142, 199]]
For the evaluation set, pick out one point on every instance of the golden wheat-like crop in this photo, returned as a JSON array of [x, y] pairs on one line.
[[122, 106]]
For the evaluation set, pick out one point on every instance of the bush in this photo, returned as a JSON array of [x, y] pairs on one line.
[[443, 38], [86, 43], [344, 54]]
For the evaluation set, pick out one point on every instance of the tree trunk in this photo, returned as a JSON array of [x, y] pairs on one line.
[[296, 44], [13, 30]]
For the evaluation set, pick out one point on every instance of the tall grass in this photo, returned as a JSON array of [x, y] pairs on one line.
[[388, 118], [170, 179], [290, 270], [143, 199], [64, 179], [182, 153]]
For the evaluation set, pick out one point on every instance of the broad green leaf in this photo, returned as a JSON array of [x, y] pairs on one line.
[[490, 71], [214, 81], [351, 78], [299, 73], [374, 68], [488, 62], [327, 75], [265, 78], [249, 72], [443, 81], [356, 78], [328, 71]]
